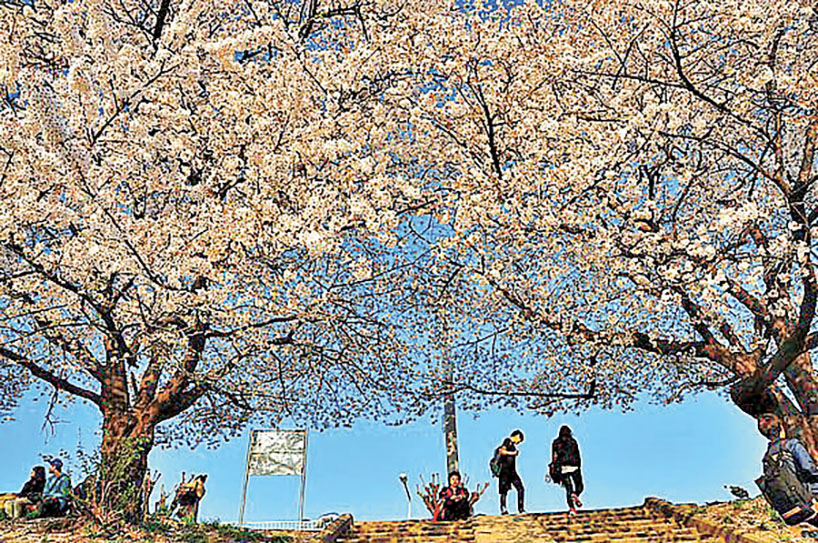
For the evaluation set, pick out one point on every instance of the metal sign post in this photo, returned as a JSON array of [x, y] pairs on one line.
[[246, 480], [303, 481]]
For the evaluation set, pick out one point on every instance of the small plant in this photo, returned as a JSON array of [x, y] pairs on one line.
[[156, 525], [191, 536], [233, 532]]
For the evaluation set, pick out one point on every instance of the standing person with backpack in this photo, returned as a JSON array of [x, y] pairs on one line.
[[567, 465], [790, 480], [504, 465]]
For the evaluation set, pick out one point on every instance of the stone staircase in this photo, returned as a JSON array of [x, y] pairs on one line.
[[410, 531], [641, 524]]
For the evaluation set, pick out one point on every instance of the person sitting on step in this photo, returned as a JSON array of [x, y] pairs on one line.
[[790, 479], [57, 491], [14, 504], [455, 499]]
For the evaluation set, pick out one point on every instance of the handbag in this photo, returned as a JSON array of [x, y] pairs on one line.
[[554, 473]]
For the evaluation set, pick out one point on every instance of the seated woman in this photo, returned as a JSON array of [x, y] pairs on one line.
[[455, 499], [30, 494]]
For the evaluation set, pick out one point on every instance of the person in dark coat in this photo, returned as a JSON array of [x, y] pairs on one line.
[[508, 472], [799, 462], [30, 493], [565, 455], [455, 499]]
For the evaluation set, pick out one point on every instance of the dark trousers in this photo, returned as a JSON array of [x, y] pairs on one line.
[[506, 482], [53, 507], [456, 510], [573, 485]]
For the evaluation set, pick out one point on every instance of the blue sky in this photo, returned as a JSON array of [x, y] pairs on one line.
[[683, 453]]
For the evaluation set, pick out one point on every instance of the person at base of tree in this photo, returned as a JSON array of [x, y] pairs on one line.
[[455, 499], [508, 472], [57, 491], [799, 460], [565, 455], [188, 497], [14, 504]]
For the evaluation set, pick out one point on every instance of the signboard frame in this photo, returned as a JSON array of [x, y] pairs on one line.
[[247, 470]]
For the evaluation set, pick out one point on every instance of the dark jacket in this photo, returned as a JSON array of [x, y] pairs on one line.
[[804, 467], [455, 509], [566, 451], [508, 463], [32, 487], [447, 494]]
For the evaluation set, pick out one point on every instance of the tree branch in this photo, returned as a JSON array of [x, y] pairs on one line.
[[161, 16], [49, 377]]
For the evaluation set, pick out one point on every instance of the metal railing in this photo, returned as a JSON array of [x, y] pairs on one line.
[[290, 525]]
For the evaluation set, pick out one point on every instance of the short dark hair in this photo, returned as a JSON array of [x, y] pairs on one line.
[[453, 473], [518, 433], [769, 424], [565, 430]]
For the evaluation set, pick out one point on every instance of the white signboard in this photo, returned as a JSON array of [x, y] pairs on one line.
[[277, 452]]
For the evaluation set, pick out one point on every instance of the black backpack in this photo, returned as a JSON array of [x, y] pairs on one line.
[[782, 488], [494, 463]]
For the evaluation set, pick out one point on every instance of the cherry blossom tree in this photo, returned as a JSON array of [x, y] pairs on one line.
[[194, 233], [623, 194], [214, 210]]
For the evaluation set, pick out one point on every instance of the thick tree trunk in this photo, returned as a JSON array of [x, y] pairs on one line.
[[798, 416], [127, 440], [801, 380]]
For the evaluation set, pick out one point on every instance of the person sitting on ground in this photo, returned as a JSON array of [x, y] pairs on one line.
[[565, 455], [455, 499], [57, 492], [188, 497], [793, 498], [29, 495]]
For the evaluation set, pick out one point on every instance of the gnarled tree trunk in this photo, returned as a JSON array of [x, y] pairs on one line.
[[127, 439], [801, 416]]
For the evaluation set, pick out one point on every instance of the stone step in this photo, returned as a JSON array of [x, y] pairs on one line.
[[612, 526], [622, 525], [404, 539]]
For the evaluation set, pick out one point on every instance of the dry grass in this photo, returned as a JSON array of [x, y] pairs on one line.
[[756, 517], [76, 531]]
